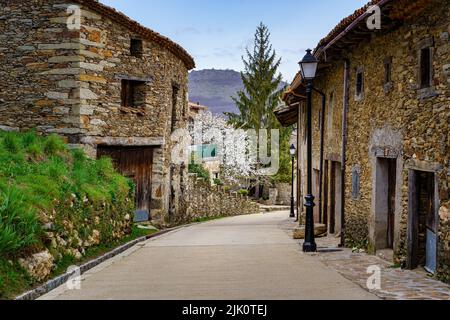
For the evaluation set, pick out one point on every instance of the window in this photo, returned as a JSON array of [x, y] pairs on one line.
[[425, 68], [136, 48], [359, 84], [175, 89], [388, 71], [319, 120], [133, 93], [355, 183], [387, 81], [330, 114]]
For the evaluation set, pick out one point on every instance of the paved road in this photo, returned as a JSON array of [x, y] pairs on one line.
[[241, 258]]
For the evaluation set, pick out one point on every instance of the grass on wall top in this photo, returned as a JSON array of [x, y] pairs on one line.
[[38, 177]]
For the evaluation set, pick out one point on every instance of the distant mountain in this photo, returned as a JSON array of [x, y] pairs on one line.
[[215, 89]]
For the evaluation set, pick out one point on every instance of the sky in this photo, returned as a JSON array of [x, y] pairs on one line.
[[217, 32]]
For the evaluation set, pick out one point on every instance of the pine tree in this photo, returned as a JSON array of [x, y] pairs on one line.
[[261, 94]]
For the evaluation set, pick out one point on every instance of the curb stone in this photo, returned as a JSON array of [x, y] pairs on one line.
[[60, 280]]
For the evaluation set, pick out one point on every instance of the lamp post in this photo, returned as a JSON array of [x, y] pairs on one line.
[[292, 150], [308, 67]]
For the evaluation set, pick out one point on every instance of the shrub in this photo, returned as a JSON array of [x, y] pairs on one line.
[[218, 182], [200, 171], [244, 192]]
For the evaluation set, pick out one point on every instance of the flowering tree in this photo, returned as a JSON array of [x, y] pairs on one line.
[[233, 145]]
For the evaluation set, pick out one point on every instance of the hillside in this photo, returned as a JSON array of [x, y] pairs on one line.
[[215, 89]]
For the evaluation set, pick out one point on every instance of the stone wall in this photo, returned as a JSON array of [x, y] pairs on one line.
[[206, 201], [398, 120], [69, 82], [284, 194], [36, 92]]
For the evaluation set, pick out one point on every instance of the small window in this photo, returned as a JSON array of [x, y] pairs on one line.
[[425, 68], [175, 90], [359, 84], [133, 93], [388, 71], [330, 113], [136, 48], [319, 120], [355, 183]]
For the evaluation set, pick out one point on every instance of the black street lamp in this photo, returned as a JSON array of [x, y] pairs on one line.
[[292, 150], [308, 67]]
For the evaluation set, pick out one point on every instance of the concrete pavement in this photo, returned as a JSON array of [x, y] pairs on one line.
[[237, 258]]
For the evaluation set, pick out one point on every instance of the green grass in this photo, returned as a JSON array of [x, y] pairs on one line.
[[43, 182], [13, 280]]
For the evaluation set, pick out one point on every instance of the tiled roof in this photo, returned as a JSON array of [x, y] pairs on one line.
[[145, 32], [193, 105], [346, 22]]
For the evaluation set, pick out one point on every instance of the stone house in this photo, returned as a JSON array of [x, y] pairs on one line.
[[381, 139], [82, 70]]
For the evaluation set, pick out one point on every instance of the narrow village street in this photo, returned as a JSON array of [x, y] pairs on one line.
[[239, 258]]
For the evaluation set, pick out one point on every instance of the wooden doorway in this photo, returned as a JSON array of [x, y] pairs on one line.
[[385, 194], [135, 163], [334, 204], [325, 193], [316, 193], [422, 221]]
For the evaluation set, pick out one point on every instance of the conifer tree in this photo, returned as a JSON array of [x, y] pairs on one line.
[[261, 95]]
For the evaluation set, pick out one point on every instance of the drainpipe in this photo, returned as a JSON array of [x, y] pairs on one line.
[[344, 146], [322, 147]]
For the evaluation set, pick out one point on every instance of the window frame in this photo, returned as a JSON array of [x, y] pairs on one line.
[[425, 91]]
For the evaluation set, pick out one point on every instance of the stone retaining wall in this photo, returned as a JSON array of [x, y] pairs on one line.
[[206, 201]]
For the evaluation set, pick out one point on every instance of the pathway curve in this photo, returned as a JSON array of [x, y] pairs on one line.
[[238, 258]]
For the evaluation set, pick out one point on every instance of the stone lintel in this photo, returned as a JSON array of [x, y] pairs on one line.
[[334, 157], [124, 141], [420, 165], [133, 78]]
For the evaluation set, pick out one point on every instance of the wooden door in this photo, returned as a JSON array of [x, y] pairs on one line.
[[316, 188], [325, 193], [135, 163], [422, 221], [392, 173], [332, 204]]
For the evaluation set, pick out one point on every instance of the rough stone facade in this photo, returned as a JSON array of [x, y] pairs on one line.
[[395, 120], [207, 201], [66, 80]]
